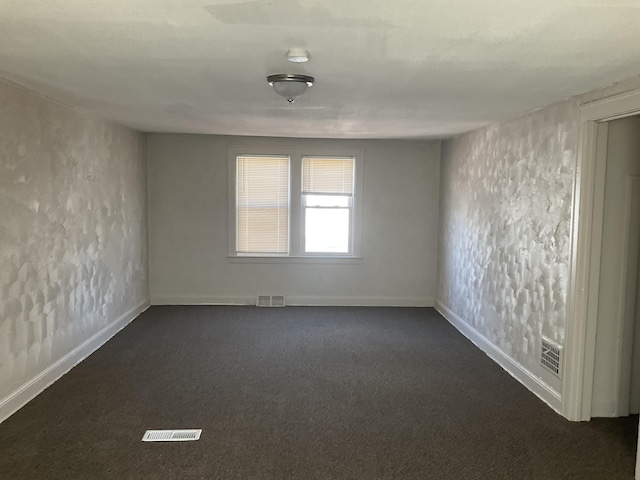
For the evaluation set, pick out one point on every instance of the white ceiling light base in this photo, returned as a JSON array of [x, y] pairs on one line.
[[289, 85], [297, 55]]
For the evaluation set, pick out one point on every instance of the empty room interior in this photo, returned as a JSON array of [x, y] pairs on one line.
[[304, 239]]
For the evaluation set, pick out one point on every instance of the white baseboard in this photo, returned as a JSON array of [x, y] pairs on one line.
[[202, 300], [301, 300], [604, 409], [36, 385], [517, 371], [296, 300]]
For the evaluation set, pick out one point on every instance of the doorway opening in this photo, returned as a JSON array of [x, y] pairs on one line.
[[587, 233], [615, 389]]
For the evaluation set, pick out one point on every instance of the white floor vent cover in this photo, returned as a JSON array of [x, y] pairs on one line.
[[270, 301], [172, 435]]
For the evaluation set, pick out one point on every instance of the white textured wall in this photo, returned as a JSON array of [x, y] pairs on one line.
[[73, 236], [188, 227], [506, 196]]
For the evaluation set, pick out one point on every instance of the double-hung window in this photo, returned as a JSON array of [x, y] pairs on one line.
[[295, 203], [327, 199], [262, 205]]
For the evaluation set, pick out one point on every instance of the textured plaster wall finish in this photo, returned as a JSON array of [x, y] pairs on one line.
[[623, 160], [506, 195], [73, 235], [188, 227]]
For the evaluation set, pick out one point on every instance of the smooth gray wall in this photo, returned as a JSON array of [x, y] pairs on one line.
[[188, 227], [506, 197], [73, 235]]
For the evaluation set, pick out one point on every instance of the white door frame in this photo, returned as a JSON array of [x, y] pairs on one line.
[[627, 296], [586, 237]]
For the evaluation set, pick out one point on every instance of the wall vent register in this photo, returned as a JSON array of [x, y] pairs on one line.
[[551, 356], [270, 301]]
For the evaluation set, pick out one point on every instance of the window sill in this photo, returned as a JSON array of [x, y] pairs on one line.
[[321, 260]]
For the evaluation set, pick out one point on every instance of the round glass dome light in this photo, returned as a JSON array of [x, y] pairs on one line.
[[290, 86]]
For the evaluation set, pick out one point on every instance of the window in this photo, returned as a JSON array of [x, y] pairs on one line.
[[262, 205], [327, 199], [294, 203]]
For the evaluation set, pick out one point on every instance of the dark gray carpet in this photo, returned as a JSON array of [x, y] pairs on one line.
[[302, 393]]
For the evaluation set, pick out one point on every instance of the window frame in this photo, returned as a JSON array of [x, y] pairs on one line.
[[236, 223], [296, 210], [350, 208]]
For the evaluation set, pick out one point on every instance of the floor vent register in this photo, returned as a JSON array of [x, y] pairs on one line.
[[187, 435]]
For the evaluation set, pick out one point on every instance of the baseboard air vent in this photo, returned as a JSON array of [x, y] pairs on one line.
[[270, 301], [551, 356], [188, 435]]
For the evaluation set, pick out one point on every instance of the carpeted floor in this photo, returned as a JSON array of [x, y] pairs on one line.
[[302, 393]]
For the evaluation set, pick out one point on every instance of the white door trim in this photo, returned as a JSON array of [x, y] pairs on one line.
[[586, 235]]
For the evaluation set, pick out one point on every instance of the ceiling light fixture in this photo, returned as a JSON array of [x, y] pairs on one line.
[[290, 85], [297, 55]]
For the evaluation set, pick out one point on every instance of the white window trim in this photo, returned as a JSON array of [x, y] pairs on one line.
[[296, 231]]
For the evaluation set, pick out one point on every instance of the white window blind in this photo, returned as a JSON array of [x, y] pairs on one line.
[[327, 175], [262, 204]]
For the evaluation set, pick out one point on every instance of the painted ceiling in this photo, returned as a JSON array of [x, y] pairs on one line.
[[383, 69]]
